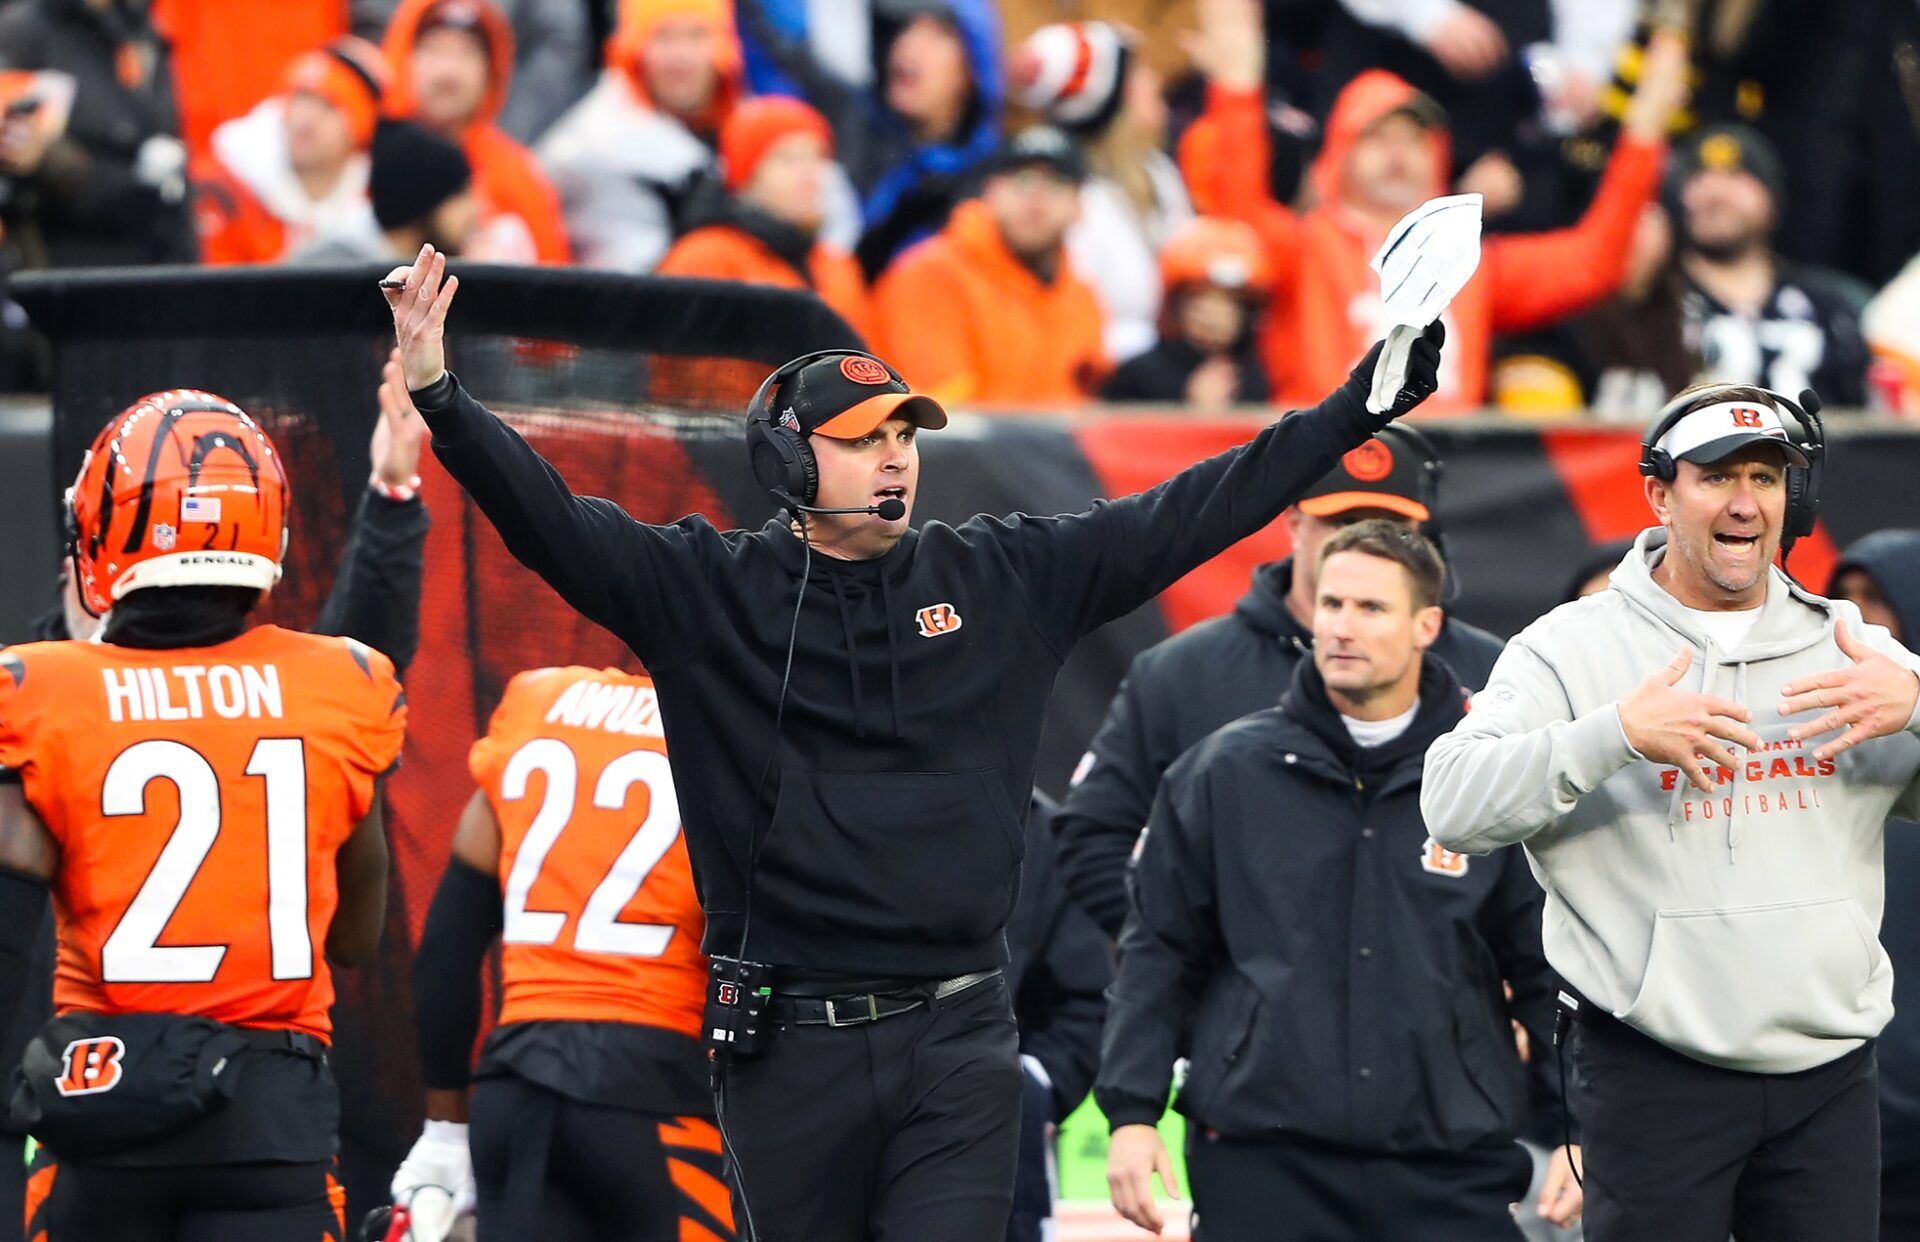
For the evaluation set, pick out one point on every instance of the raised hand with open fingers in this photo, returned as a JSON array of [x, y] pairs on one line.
[[401, 431], [420, 315], [1872, 696], [1681, 728]]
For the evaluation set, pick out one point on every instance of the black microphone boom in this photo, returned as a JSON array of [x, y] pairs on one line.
[[888, 510]]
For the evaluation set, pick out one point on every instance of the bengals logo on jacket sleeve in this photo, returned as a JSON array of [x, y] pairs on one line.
[[600, 921]]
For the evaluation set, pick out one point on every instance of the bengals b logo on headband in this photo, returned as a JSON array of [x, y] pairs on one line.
[[937, 619]]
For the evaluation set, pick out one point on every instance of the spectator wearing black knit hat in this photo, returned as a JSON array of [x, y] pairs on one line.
[[422, 190], [1755, 317]]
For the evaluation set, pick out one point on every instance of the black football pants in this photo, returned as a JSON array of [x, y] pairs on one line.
[[550, 1167], [901, 1130], [1681, 1151], [72, 1201]]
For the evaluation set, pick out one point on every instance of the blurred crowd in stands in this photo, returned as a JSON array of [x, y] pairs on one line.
[[1040, 203]]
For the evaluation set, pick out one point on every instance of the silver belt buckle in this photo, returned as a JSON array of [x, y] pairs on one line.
[[871, 1015]]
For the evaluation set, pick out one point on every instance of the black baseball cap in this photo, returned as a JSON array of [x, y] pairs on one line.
[[845, 396], [1732, 148], [1383, 473], [1042, 146]]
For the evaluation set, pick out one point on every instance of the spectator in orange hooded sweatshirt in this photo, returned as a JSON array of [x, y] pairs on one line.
[[776, 157], [293, 171], [1386, 151], [452, 65], [988, 311], [627, 156]]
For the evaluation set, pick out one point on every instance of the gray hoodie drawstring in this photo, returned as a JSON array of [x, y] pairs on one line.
[[1733, 820]]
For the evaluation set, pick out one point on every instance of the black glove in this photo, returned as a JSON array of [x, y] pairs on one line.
[[1423, 374]]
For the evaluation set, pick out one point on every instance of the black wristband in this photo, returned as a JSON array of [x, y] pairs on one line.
[[434, 395], [461, 925]]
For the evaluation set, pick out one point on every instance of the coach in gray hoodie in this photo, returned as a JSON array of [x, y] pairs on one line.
[[1700, 761]]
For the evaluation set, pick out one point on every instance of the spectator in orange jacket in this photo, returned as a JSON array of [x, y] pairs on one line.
[[988, 311], [776, 154], [293, 171], [452, 65], [1386, 150]]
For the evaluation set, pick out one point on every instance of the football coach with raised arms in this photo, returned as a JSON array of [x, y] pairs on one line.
[[852, 711], [1700, 761]]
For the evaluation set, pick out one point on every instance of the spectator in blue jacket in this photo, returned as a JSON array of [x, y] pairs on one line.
[[911, 125]]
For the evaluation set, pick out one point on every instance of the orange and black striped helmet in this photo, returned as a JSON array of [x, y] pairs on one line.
[[181, 488]]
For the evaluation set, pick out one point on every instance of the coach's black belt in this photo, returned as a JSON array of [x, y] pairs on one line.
[[868, 1007]]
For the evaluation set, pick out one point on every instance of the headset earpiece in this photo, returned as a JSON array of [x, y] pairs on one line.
[[1803, 485], [780, 457], [1657, 463]]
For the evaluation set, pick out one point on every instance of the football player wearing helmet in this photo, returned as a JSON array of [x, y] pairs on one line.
[[199, 795]]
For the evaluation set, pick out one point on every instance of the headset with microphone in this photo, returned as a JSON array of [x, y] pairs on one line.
[[1803, 482], [779, 455]]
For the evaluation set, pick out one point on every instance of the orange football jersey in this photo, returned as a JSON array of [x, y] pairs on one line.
[[601, 923], [199, 796]]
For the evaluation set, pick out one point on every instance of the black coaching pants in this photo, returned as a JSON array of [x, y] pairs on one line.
[[901, 1130], [1680, 1151], [1304, 1191]]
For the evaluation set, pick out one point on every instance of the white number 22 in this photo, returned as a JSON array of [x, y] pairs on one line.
[[600, 929]]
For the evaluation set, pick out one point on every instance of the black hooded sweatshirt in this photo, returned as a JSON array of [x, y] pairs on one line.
[[1327, 969], [1175, 693], [1892, 559], [886, 839]]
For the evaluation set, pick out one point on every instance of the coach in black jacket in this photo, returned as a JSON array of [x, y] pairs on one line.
[[881, 855], [1058, 969], [1333, 976], [1178, 691]]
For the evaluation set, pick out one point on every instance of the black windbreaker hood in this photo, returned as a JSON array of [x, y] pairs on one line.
[[1264, 606], [1442, 704], [1892, 558]]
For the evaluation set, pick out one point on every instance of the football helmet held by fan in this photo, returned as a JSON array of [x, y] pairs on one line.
[[181, 488]]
